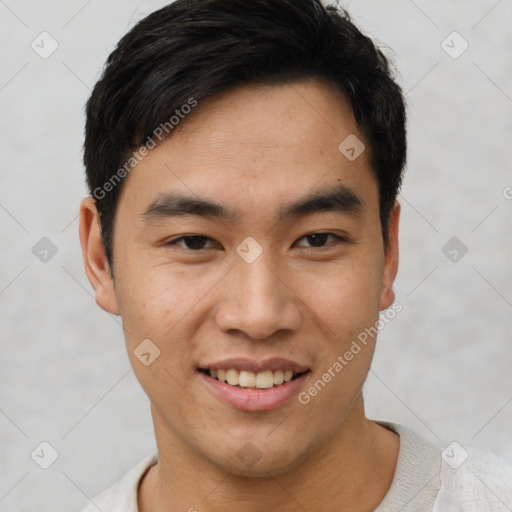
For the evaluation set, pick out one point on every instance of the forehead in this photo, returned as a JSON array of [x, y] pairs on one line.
[[257, 146]]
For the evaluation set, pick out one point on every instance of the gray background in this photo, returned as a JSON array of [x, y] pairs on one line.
[[442, 367]]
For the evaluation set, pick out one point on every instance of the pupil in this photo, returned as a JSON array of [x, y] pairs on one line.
[[317, 239], [195, 242]]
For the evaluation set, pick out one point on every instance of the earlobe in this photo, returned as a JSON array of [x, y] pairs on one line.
[[387, 296], [95, 261]]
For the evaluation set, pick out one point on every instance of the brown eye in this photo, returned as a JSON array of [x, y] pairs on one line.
[[320, 239], [191, 242]]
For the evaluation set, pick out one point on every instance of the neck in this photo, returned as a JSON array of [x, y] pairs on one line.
[[352, 471]]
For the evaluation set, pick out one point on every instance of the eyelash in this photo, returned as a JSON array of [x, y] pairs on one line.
[[338, 238]]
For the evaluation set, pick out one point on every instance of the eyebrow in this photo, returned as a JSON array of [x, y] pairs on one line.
[[340, 199]]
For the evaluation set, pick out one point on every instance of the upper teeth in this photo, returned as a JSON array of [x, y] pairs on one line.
[[246, 379]]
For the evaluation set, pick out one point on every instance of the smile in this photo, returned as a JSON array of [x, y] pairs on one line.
[[250, 385], [256, 380]]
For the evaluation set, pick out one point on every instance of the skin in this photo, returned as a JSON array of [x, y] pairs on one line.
[[253, 150]]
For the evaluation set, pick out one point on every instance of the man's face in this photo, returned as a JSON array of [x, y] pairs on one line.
[[265, 287]]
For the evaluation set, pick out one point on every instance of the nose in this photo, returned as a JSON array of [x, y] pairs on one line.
[[258, 300]]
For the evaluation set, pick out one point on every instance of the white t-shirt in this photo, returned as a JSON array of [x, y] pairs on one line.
[[425, 480]]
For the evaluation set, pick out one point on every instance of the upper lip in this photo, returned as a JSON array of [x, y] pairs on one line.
[[256, 366]]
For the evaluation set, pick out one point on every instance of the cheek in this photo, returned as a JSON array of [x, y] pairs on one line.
[[344, 296], [156, 298], [159, 305], [349, 304], [165, 305]]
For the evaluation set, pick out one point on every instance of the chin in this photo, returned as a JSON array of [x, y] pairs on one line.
[[250, 461]]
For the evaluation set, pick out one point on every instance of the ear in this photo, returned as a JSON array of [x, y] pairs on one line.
[[95, 260], [387, 296]]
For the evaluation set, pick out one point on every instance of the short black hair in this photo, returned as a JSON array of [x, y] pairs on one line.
[[194, 49]]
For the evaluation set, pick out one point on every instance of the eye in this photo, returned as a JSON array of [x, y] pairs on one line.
[[191, 242], [200, 242], [320, 239]]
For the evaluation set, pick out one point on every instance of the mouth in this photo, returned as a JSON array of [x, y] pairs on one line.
[[266, 379], [250, 385]]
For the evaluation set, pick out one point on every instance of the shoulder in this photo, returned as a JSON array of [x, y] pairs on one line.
[[473, 480], [450, 479], [122, 496]]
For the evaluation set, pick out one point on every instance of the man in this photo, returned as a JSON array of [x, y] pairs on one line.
[[244, 160]]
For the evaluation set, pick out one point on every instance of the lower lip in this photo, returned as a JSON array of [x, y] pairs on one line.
[[247, 399]]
